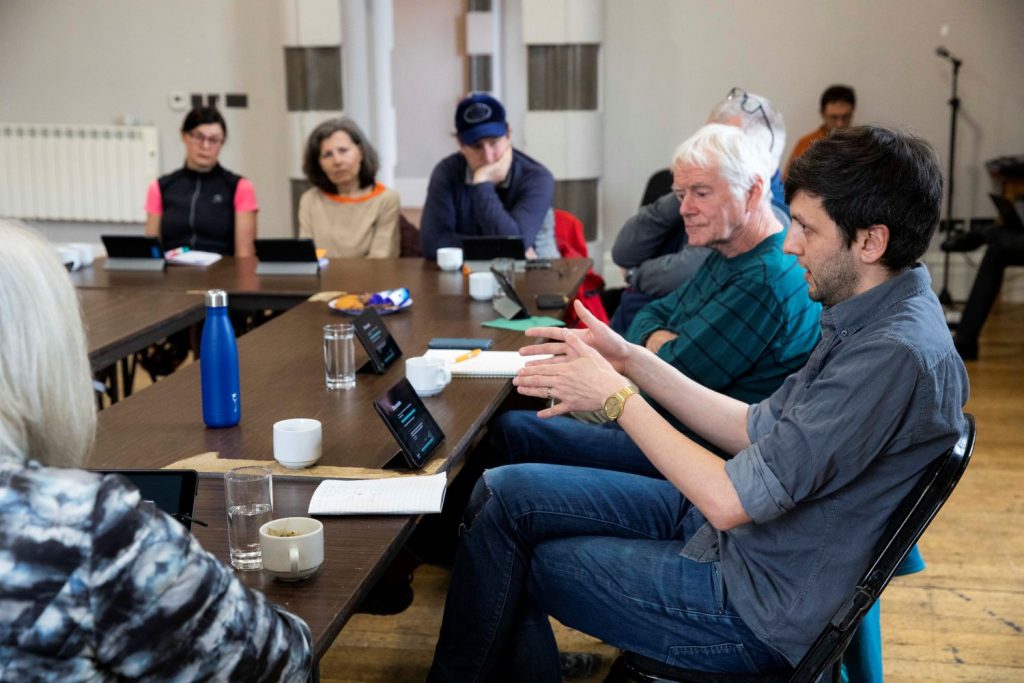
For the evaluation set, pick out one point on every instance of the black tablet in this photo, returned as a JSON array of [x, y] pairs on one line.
[[487, 247], [373, 334], [409, 421], [286, 250], [132, 246], [511, 307], [173, 491]]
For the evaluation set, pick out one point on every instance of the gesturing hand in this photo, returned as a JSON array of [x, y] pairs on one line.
[[582, 383], [598, 336]]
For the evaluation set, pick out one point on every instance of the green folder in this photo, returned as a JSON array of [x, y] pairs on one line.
[[525, 323]]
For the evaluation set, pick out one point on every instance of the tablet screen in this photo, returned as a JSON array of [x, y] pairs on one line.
[[373, 334], [172, 491], [410, 422]]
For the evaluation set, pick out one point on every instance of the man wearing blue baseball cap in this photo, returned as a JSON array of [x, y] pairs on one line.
[[488, 188]]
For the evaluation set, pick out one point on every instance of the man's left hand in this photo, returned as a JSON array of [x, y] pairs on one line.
[[579, 385]]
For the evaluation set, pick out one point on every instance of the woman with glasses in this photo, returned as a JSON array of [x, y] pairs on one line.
[[97, 584], [347, 212], [203, 205]]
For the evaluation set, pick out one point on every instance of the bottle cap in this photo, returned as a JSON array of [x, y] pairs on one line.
[[216, 298]]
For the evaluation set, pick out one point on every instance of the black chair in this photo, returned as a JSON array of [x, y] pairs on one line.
[[905, 528], [657, 185]]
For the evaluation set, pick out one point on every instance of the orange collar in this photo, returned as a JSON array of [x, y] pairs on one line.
[[377, 189]]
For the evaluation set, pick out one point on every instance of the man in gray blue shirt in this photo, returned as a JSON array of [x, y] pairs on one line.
[[728, 565]]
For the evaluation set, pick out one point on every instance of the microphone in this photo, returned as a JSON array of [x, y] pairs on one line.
[[943, 52]]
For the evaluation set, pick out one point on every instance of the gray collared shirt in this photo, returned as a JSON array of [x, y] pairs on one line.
[[832, 454]]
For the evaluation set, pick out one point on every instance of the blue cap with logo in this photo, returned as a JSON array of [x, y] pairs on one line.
[[479, 116]]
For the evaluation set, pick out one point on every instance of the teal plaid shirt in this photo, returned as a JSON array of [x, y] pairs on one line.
[[744, 323]]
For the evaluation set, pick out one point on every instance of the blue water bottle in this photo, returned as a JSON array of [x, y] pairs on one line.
[[218, 364]]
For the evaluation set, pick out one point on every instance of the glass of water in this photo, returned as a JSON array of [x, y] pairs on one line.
[[340, 356], [249, 494]]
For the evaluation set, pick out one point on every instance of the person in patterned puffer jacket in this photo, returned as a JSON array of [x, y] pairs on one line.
[[95, 584]]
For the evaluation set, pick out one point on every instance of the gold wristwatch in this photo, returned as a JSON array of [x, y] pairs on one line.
[[614, 404]]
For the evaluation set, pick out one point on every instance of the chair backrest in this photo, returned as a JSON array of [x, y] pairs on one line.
[[569, 235], [657, 185], [905, 528], [410, 245], [1007, 213]]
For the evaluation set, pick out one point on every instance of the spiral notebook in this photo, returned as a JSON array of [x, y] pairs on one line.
[[484, 364]]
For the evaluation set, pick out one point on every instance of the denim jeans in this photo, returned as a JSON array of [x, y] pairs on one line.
[[599, 551], [519, 436]]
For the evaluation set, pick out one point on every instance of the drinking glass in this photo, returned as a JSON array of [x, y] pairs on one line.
[[249, 496], [339, 356]]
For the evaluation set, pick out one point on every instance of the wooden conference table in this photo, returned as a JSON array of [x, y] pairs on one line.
[[247, 290], [120, 322], [281, 370]]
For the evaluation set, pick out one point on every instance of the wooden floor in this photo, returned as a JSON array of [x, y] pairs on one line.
[[960, 620]]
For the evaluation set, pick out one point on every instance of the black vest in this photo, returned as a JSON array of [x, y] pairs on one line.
[[199, 210]]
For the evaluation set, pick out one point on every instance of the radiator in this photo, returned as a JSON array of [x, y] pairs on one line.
[[76, 173]]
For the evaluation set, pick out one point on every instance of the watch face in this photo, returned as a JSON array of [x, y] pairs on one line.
[[613, 406]]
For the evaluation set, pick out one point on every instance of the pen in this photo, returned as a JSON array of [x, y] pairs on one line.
[[466, 356]]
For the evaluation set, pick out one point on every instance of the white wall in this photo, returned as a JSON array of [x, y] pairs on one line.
[[63, 61], [667, 61]]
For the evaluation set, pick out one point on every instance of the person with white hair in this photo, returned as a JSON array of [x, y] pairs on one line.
[[652, 247], [95, 583], [740, 326]]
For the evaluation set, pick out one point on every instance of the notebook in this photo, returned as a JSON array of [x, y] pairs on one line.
[[394, 496], [485, 364]]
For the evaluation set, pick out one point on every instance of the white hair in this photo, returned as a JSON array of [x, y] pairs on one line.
[[745, 112], [47, 409], [740, 159]]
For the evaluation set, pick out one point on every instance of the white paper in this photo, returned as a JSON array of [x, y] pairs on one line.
[[192, 257], [485, 363], [410, 495]]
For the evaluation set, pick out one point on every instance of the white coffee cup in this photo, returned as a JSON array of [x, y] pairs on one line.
[[297, 442], [449, 258], [293, 547], [482, 286], [428, 376], [85, 255]]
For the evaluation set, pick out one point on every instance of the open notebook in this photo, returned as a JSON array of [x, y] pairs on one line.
[[485, 364]]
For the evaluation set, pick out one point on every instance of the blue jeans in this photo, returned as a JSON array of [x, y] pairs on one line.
[[519, 436], [599, 551]]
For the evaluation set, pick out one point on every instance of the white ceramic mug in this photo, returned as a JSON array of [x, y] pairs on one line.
[[482, 286], [293, 547], [428, 376], [85, 255], [449, 258], [297, 442]]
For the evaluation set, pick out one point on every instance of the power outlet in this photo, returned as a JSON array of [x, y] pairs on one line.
[[178, 101]]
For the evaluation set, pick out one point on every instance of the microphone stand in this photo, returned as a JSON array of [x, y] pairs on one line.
[[945, 298]]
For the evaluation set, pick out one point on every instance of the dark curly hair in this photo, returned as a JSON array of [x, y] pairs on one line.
[[868, 175]]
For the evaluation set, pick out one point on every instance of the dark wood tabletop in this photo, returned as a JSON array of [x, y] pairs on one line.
[[246, 290], [281, 371], [119, 322], [356, 551]]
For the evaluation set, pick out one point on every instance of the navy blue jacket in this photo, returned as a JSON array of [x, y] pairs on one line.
[[515, 207]]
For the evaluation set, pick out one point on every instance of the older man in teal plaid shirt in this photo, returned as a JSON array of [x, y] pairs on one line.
[[740, 326]]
